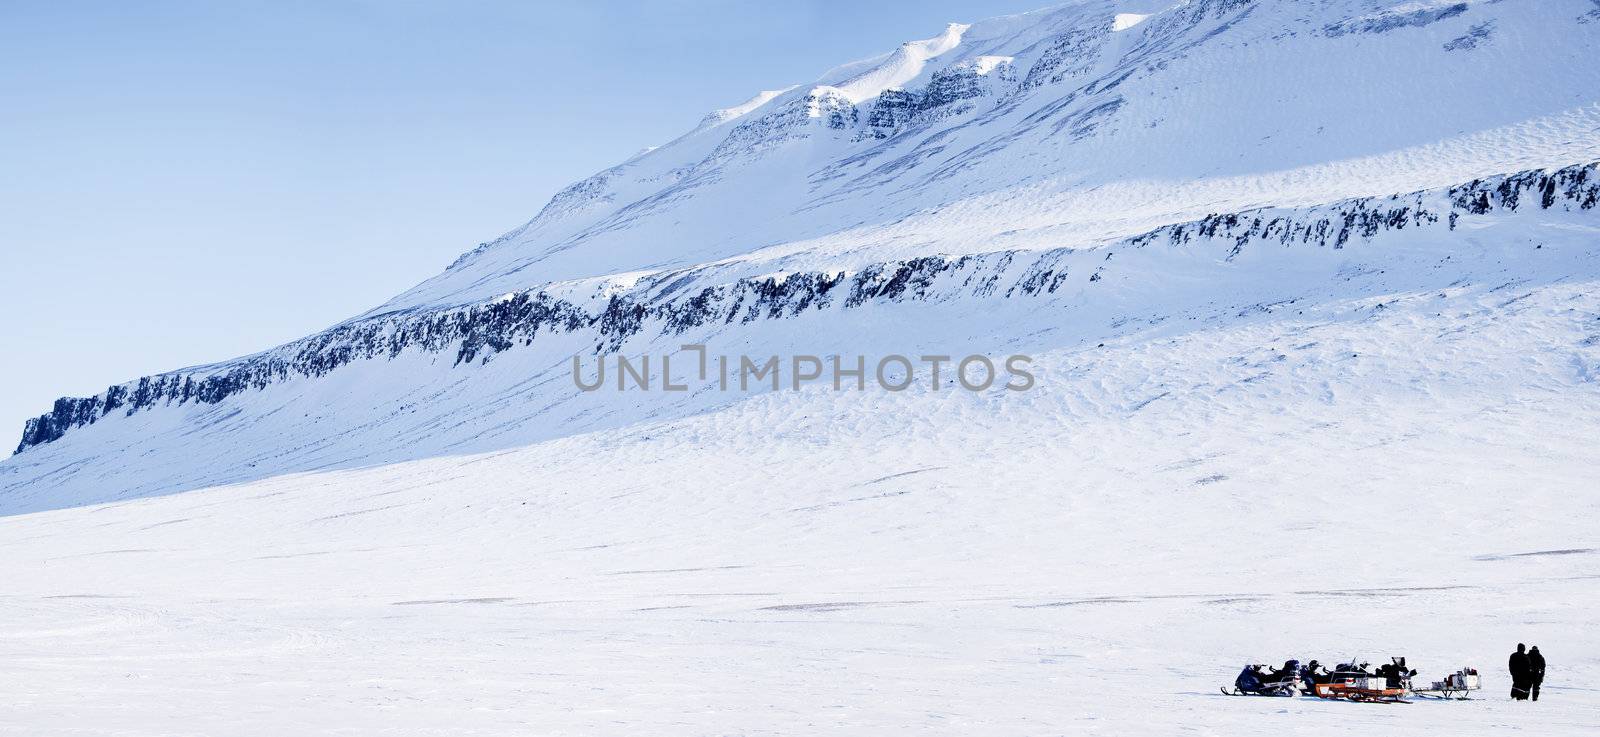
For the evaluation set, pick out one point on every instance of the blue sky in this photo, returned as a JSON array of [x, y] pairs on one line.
[[184, 182]]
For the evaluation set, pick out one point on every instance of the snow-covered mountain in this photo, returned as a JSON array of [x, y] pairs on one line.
[[1288, 273], [499, 374], [1021, 138]]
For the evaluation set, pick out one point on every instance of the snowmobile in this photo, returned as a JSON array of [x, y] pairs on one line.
[[1457, 686], [1259, 680]]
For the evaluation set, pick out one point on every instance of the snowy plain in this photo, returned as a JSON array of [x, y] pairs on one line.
[[1242, 447]]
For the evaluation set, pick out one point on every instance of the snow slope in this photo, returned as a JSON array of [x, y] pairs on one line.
[[1310, 291], [1405, 470]]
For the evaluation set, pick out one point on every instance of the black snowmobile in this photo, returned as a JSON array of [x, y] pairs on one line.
[[1259, 680]]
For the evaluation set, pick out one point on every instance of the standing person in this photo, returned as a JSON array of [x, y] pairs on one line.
[[1519, 666], [1535, 671]]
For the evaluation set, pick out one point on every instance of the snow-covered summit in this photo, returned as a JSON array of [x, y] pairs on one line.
[[1086, 121], [900, 67]]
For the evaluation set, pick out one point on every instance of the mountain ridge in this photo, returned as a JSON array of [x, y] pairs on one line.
[[479, 331]]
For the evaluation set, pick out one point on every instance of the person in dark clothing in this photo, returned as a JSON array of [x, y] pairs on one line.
[[1289, 672], [1520, 673], [1535, 671], [1313, 673], [1395, 674]]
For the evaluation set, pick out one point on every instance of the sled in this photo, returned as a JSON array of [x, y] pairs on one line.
[[1457, 686], [1371, 690]]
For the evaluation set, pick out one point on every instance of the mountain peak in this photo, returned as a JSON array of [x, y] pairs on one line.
[[1060, 109]]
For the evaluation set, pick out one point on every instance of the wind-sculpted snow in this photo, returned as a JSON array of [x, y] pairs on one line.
[[673, 302]]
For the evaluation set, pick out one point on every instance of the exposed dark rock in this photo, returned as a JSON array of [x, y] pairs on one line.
[[1394, 19], [478, 332]]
